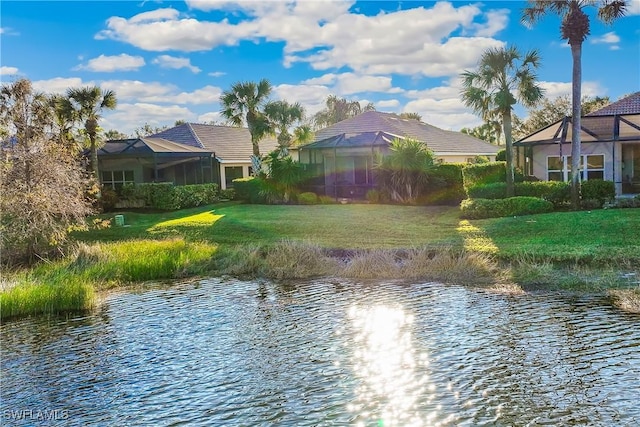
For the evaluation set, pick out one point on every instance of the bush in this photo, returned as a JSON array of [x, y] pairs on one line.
[[628, 203], [157, 195], [109, 199], [446, 186], [484, 173], [374, 196], [191, 196], [556, 192], [501, 156], [598, 191], [308, 198], [496, 190], [326, 200], [249, 189], [486, 208], [228, 194]]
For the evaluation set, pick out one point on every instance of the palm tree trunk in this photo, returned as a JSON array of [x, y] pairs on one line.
[[94, 165], [506, 120], [576, 158]]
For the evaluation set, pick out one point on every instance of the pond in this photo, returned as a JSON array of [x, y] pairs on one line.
[[326, 352]]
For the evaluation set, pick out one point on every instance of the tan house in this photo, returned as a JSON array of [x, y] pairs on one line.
[[610, 147], [186, 154], [342, 155]]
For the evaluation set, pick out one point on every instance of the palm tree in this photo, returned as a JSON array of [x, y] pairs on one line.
[[88, 104], [574, 29], [283, 115], [244, 103], [504, 77], [302, 135], [405, 172], [337, 110], [65, 117]]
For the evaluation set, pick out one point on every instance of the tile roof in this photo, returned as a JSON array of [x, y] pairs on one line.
[[438, 140], [148, 146], [362, 139], [628, 105], [230, 144]]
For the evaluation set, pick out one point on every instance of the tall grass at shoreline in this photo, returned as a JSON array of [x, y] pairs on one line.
[[71, 284]]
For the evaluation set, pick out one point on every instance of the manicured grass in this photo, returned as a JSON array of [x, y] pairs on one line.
[[568, 250], [600, 236]]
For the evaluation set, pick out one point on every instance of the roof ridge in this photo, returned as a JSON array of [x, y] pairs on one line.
[[195, 135]]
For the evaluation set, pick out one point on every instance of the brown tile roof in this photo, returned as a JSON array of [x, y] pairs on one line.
[[230, 144], [438, 140], [628, 105]]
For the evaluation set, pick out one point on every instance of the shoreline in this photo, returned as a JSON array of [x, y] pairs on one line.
[[80, 280]]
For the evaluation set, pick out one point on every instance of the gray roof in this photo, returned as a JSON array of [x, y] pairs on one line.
[[148, 145], [438, 140], [230, 144], [362, 139], [628, 105]]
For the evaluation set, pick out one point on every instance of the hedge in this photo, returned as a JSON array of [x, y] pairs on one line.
[[556, 192], [166, 196], [447, 187], [512, 206], [484, 173], [249, 190], [598, 191]]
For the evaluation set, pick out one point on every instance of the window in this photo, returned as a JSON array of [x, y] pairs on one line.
[[231, 173], [559, 168], [116, 179]]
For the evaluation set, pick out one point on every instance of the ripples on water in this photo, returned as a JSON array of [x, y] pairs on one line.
[[220, 352]]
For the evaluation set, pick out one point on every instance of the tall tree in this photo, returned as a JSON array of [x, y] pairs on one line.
[[337, 110], [43, 187], [283, 116], [89, 103], [302, 135], [488, 131], [503, 78], [574, 29], [244, 103]]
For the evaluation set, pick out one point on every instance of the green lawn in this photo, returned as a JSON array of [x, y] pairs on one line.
[[595, 236]]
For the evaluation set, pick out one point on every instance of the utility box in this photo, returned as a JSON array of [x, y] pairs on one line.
[[119, 220]]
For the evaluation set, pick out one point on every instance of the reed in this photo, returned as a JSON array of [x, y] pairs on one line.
[[289, 259], [62, 295]]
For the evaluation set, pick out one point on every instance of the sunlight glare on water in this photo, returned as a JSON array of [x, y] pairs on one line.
[[386, 363]]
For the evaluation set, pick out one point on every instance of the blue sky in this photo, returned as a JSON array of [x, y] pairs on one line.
[[171, 60]]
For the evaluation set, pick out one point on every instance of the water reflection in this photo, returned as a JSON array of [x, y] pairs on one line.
[[385, 361], [226, 352]]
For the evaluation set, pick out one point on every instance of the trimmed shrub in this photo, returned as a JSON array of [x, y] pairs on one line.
[[249, 190], [158, 195], [308, 198], [496, 190], [556, 192], [191, 196], [501, 156], [628, 203], [513, 206], [228, 194], [326, 200], [484, 173], [374, 196], [598, 191], [446, 187]]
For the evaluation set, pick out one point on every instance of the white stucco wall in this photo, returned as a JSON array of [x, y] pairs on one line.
[[541, 152], [223, 178]]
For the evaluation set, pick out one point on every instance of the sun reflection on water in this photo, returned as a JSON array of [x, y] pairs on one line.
[[392, 375]]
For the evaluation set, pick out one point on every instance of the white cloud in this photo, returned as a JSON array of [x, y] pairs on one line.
[[327, 34], [390, 103], [214, 116], [128, 117], [6, 71], [166, 61], [312, 97], [633, 7], [60, 84], [553, 90], [7, 31], [110, 64], [607, 38], [217, 74]]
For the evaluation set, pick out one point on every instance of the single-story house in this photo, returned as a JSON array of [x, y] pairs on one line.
[[610, 147], [342, 156], [186, 154]]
